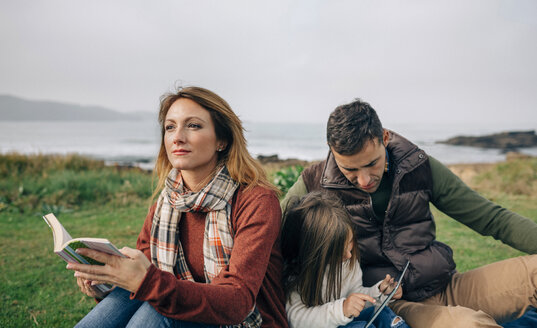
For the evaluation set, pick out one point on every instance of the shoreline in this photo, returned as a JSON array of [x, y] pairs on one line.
[[465, 171], [272, 163]]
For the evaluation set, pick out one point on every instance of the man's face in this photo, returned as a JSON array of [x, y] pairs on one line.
[[365, 168]]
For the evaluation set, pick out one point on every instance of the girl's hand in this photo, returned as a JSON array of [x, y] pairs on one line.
[[127, 273], [387, 285], [354, 304]]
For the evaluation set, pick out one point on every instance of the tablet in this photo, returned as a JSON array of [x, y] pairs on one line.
[[381, 307]]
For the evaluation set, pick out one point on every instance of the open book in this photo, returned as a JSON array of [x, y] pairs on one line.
[[65, 246]]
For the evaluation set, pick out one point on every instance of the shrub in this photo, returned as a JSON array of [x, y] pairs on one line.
[[285, 178], [516, 177], [44, 182]]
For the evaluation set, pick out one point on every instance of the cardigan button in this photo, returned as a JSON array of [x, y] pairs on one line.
[[421, 155], [398, 171]]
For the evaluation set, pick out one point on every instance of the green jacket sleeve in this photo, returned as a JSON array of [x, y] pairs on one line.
[[298, 189], [456, 199]]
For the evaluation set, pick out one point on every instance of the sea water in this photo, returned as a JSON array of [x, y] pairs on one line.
[[138, 142]]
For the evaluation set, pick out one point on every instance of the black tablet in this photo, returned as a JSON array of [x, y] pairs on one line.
[[375, 315]]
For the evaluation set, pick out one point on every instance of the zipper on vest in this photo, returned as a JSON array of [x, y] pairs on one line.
[[371, 211]]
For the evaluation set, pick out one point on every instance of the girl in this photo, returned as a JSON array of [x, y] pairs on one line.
[[207, 254], [322, 277]]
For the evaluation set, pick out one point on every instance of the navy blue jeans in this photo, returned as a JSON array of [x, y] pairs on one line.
[[384, 320], [118, 310], [528, 320]]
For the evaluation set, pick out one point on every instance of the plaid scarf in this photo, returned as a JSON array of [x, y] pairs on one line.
[[215, 200]]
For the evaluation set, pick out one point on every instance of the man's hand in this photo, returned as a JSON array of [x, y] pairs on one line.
[[354, 304], [387, 285]]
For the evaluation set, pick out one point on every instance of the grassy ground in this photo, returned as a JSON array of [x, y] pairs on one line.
[[513, 185], [472, 250], [36, 289], [96, 201]]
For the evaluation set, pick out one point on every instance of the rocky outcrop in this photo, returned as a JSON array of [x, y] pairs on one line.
[[274, 163], [505, 140]]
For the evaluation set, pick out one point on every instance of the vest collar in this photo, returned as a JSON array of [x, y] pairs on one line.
[[404, 156]]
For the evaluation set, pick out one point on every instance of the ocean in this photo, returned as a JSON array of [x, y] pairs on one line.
[[137, 142]]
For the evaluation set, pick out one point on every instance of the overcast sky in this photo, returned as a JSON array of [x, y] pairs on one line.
[[414, 61]]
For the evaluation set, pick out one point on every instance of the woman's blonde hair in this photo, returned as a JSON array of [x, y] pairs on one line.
[[314, 237], [242, 167]]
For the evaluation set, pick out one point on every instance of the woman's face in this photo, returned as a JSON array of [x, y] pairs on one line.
[[190, 138]]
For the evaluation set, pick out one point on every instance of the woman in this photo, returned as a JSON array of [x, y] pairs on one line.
[[208, 252]]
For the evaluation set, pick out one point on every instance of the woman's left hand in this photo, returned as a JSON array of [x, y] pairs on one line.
[[127, 273]]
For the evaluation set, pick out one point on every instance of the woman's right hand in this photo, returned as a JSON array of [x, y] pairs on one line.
[[86, 288], [354, 304]]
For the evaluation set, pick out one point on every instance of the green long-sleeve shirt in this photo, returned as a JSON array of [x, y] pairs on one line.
[[453, 197]]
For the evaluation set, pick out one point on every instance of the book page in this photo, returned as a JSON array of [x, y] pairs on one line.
[[65, 246], [60, 235], [98, 244]]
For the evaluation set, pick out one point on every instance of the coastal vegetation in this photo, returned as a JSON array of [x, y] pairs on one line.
[[95, 200]]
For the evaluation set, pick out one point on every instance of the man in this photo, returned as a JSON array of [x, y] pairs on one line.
[[387, 183]]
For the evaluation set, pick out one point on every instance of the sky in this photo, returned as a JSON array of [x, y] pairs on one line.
[[280, 61]]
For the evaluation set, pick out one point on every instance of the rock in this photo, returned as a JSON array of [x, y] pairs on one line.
[[505, 140], [273, 163], [268, 159]]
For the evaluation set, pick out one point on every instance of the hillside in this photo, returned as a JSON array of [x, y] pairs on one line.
[[18, 109]]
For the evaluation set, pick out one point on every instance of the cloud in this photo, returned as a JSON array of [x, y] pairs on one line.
[[414, 61]]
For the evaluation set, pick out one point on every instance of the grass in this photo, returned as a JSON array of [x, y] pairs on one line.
[[28, 183], [471, 250], [37, 291], [90, 200], [511, 184]]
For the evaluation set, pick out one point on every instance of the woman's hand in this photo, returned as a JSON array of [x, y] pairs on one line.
[[127, 273], [387, 285], [87, 288], [354, 304]]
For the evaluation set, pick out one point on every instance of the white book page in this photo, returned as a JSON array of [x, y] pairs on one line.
[[61, 236]]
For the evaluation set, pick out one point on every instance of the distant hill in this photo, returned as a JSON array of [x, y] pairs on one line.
[[18, 109]]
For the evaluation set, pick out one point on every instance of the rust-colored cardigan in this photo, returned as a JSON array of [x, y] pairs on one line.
[[253, 275]]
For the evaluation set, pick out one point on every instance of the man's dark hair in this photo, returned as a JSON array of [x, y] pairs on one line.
[[351, 126]]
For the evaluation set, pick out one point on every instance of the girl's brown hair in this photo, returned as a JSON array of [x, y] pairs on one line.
[[242, 167], [315, 232]]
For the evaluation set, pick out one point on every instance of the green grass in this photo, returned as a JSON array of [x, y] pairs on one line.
[[37, 291], [40, 182], [511, 184], [472, 250], [90, 200]]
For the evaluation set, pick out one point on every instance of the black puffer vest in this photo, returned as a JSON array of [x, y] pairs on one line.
[[408, 229]]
